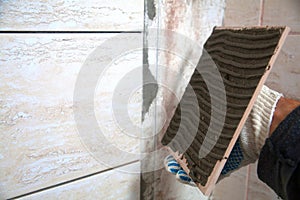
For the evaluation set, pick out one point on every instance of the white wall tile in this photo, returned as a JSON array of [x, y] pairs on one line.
[[242, 12], [110, 185], [39, 141], [103, 15], [284, 13], [285, 75]]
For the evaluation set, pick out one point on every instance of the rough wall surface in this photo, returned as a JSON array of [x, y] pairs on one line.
[[193, 20]]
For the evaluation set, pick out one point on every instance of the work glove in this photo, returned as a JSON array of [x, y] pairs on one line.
[[250, 142]]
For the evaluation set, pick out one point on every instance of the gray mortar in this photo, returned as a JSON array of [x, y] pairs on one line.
[[151, 9], [241, 57], [150, 86]]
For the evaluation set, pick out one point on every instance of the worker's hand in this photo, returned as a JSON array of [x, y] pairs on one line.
[[232, 163], [250, 142], [173, 167]]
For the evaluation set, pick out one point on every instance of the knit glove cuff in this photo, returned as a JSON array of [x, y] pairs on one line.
[[254, 133], [257, 126]]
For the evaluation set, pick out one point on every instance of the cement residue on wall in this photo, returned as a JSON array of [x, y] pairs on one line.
[[193, 20]]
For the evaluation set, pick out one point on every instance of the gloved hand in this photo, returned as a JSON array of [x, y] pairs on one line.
[[172, 166], [251, 140]]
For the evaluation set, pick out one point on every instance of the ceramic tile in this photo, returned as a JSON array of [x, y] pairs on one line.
[[285, 75], [257, 189], [114, 184], [242, 13], [232, 187], [61, 15], [285, 13], [40, 142]]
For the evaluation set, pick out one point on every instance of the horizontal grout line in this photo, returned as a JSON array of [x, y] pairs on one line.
[[66, 32], [294, 33], [73, 180]]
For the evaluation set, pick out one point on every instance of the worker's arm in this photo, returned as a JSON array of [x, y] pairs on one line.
[[279, 160]]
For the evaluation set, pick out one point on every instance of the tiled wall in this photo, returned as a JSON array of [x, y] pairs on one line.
[[60, 15], [42, 154]]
